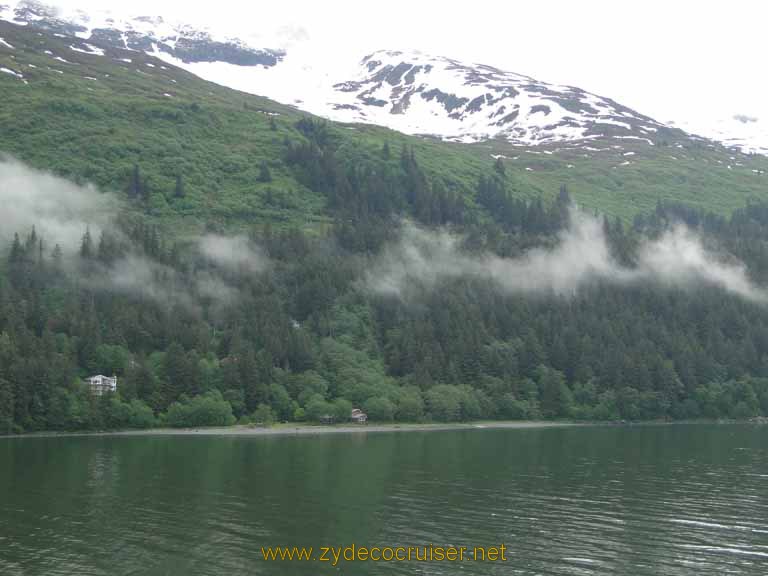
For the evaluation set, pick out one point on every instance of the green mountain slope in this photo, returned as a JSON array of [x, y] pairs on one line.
[[94, 117], [332, 305]]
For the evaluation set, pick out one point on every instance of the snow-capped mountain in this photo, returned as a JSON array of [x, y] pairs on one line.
[[408, 91], [142, 33], [417, 93]]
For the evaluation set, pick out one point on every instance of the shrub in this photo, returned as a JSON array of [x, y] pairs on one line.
[[263, 415], [209, 409], [380, 409]]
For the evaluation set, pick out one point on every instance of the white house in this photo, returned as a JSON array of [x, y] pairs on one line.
[[101, 384], [358, 416]]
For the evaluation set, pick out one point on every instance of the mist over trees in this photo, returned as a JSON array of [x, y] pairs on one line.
[[304, 341], [285, 325]]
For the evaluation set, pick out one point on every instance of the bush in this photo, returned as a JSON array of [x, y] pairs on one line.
[[380, 409], [341, 409], [236, 399], [444, 403], [410, 405], [209, 409], [69, 410], [512, 408], [263, 415], [317, 408], [281, 402], [140, 415], [117, 414], [742, 411]]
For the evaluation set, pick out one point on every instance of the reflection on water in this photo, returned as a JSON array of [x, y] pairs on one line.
[[672, 500]]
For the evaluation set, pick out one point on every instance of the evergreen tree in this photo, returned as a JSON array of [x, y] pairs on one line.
[[264, 173], [135, 189], [178, 190], [499, 167], [16, 255], [86, 245], [146, 192], [57, 255]]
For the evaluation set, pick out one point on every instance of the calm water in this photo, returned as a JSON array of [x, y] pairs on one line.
[[676, 500]]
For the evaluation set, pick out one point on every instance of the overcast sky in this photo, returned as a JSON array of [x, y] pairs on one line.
[[673, 60]]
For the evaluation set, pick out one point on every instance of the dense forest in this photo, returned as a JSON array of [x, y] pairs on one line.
[[299, 336]]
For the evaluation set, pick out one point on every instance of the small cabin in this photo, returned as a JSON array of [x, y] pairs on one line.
[[101, 384], [358, 416]]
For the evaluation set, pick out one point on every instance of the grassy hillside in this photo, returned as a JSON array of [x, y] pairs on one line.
[[625, 180], [94, 117]]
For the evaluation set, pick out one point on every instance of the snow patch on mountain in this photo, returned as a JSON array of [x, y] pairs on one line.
[[88, 49], [13, 73], [140, 33], [421, 94], [416, 93], [744, 132], [410, 92]]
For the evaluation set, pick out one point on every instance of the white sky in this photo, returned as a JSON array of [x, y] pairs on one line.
[[678, 60]]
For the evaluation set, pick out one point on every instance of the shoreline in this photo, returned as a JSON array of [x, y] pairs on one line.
[[239, 430], [309, 429]]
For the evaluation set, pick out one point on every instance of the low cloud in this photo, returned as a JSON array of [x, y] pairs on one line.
[[425, 258], [139, 276], [581, 256], [59, 209], [234, 253], [679, 258]]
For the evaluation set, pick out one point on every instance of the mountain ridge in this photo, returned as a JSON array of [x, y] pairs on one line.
[[141, 33], [412, 92], [91, 112]]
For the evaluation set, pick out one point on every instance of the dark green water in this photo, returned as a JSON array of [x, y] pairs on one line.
[[676, 500]]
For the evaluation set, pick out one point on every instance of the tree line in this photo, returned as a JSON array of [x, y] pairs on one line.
[[304, 341]]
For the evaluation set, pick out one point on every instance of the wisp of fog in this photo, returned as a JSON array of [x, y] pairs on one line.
[[580, 256], [234, 253], [679, 257], [59, 209]]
